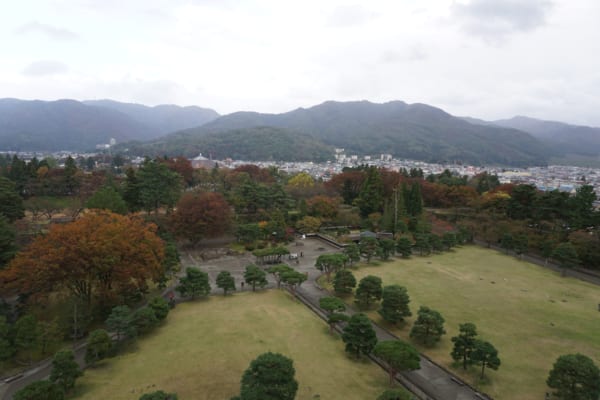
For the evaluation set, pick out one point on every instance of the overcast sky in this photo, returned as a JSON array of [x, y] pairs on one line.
[[483, 58]]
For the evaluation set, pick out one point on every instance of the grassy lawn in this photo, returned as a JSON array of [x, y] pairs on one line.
[[530, 314], [205, 347]]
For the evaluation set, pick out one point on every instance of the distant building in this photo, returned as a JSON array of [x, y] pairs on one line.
[[202, 162]]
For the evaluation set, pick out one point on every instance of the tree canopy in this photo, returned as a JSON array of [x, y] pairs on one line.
[[269, 377], [101, 255]]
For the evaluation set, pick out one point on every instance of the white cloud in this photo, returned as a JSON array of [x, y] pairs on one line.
[[45, 68], [273, 56], [495, 19], [50, 31]]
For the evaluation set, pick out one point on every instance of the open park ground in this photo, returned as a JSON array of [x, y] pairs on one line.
[[205, 346], [529, 313]]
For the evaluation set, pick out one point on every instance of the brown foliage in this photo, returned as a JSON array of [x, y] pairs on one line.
[[101, 255], [323, 206], [199, 215], [255, 172], [183, 167]]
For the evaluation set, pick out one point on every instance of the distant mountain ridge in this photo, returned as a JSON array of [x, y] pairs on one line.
[[416, 131], [35, 125], [563, 138], [165, 118]]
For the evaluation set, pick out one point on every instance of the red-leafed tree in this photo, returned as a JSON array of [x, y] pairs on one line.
[[99, 256], [199, 215], [183, 167]]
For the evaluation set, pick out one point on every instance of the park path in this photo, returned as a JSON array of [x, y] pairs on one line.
[[430, 382]]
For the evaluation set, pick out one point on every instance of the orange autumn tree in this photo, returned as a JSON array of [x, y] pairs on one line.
[[99, 256]]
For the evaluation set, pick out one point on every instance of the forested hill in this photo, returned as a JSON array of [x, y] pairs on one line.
[[73, 125], [415, 131], [165, 118], [252, 144], [564, 138]]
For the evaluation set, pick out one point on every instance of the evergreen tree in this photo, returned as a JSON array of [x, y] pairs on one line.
[[359, 336], [486, 355], [394, 306], [40, 390], [11, 203], [575, 377], [370, 198], [255, 276], [194, 283], [464, 343], [404, 247], [65, 370], [98, 346], [429, 326], [269, 377], [368, 291], [225, 281], [344, 282]]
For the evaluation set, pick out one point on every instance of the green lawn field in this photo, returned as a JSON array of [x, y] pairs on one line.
[[205, 346], [529, 313]]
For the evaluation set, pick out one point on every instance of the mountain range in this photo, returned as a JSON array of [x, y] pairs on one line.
[[73, 125], [415, 131]]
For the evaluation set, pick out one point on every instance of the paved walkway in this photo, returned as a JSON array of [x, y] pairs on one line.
[[430, 382]]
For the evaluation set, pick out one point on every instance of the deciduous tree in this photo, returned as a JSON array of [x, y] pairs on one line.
[[201, 215], [107, 198], [101, 255]]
